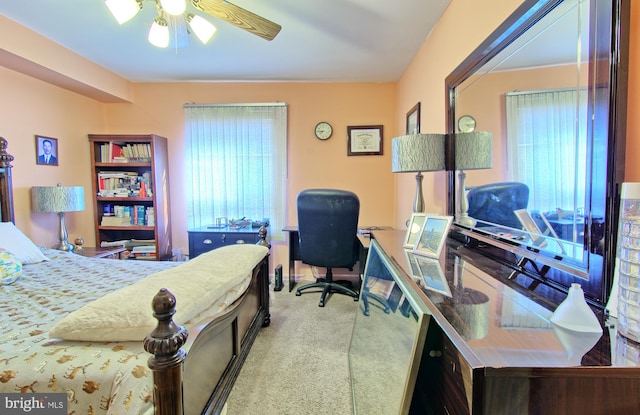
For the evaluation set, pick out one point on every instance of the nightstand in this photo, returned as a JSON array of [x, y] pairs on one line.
[[207, 238], [113, 252]]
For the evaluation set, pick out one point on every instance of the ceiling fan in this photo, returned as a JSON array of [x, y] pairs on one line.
[[239, 17], [171, 13]]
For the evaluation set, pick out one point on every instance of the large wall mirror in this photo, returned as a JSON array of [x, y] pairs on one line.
[[548, 88]]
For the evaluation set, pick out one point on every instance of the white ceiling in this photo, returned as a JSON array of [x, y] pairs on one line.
[[320, 40]]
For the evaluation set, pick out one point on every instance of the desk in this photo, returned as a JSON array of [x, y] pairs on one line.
[[294, 252]]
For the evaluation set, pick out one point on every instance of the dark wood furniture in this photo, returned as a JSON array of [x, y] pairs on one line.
[[491, 348], [207, 238], [93, 252], [199, 380], [150, 161]]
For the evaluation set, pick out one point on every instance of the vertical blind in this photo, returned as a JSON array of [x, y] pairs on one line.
[[236, 163], [547, 146]]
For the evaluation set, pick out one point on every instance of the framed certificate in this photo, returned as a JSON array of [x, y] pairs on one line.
[[364, 140]]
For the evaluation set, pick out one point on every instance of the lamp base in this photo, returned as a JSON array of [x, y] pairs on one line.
[[465, 220], [64, 246]]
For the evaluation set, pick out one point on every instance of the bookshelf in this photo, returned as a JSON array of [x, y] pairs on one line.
[[131, 194]]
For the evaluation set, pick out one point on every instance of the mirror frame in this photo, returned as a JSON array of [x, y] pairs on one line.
[[599, 273]]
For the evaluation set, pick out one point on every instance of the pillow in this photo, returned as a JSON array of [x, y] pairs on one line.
[[12, 239], [10, 267], [126, 314]]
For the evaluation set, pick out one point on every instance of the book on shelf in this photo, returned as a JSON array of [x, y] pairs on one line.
[[115, 221], [130, 244], [109, 244], [145, 256], [144, 249]]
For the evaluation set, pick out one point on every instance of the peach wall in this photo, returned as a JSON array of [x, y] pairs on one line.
[[29, 107], [312, 163]]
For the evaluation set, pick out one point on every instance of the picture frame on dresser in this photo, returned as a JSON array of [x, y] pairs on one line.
[[432, 236], [414, 228]]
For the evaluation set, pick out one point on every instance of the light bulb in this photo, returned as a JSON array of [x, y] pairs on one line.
[[201, 27], [174, 7], [159, 33], [123, 10]]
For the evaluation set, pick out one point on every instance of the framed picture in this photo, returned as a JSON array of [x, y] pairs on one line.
[[413, 120], [432, 236], [432, 275], [364, 140], [46, 150], [414, 229]]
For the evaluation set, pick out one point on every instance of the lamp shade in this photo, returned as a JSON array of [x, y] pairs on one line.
[[473, 150], [159, 33], [123, 10], [57, 198], [203, 29], [417, 153]]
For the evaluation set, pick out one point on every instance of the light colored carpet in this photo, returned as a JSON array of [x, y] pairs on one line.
[[299, 364]]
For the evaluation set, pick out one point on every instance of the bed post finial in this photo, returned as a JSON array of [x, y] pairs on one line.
[[262, 234], [6, 186], [164, 343]]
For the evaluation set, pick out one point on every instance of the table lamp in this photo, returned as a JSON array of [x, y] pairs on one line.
[[418, 153], [473, 152], [59, 199]]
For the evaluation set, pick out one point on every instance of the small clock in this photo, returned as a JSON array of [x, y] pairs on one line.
[[323, 130], [466, 124]]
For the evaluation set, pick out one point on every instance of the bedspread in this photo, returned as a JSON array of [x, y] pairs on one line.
[[98, 377]]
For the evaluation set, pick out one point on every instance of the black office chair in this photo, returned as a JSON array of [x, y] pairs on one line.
[[496, 202], [327, 228]]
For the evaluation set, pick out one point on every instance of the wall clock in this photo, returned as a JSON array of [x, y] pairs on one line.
[[323, 130], [466, 124]]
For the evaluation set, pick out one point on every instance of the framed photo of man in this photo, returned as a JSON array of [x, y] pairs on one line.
[[46, 151]]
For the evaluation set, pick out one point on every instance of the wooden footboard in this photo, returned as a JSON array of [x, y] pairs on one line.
[[200, 380]]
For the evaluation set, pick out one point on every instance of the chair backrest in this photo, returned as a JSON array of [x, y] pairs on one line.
[[327, 227], [496, 202]]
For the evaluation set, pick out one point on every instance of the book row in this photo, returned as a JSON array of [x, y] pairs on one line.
[[124, 153], [121, 215]]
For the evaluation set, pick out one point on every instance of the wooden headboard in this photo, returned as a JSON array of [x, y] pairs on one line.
[[6, 187]]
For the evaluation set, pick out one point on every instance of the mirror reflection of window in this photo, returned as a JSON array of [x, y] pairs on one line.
[[546, 133]]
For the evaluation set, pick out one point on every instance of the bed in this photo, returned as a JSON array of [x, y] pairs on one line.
[[114, 336]]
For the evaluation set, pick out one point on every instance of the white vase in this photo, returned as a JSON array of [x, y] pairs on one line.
[[575, 314]]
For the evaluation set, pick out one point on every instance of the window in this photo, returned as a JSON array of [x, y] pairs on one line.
[[546, 136], [236, 163]]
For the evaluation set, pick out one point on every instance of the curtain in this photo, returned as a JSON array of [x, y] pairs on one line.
[[236, 163], [547, 146]]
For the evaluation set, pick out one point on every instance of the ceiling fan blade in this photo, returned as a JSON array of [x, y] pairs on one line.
[[239, 17]]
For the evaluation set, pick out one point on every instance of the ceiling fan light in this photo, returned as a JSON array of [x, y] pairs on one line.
[[159, 33], [123, 10], [174, 7], [203, 29]]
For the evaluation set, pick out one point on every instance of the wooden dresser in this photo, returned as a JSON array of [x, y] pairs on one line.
[[491, 349]]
